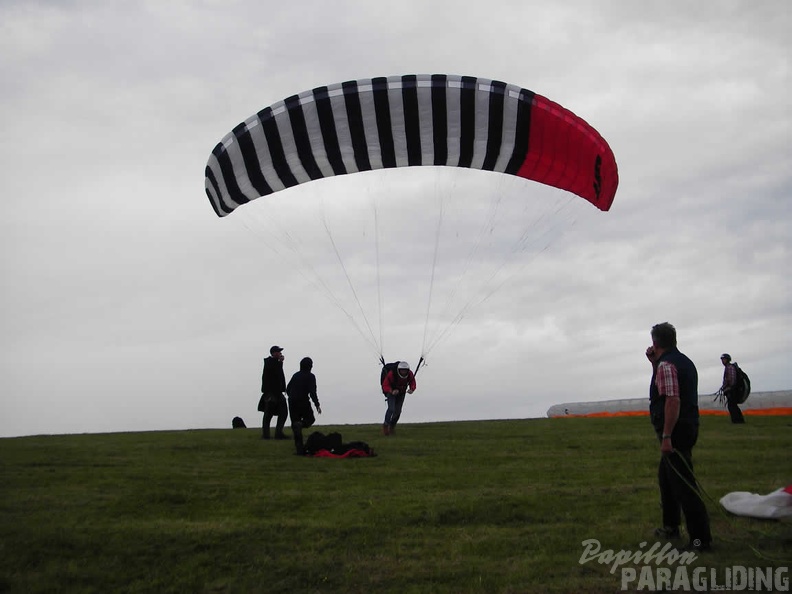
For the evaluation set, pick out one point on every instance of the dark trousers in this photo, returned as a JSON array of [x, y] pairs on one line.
[[734, 410], [678, 491], [302, 417], [395, 405], [275, 407]]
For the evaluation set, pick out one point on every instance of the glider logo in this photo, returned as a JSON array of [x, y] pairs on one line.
[[597, 176]]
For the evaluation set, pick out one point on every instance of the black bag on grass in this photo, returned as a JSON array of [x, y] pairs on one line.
[[319, 441]]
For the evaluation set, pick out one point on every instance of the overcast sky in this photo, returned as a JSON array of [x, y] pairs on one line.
[[127, 305]]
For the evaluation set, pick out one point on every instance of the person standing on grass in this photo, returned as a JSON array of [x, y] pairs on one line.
[[301, 390], [729, 389], [673, 409], [272, 402], [395, 386]]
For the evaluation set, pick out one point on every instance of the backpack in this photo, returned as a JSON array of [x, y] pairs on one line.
[[319, 441], [332, 446], [386, 368], [742, 385]]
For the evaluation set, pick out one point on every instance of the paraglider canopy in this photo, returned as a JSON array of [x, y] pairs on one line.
[[437, 120], [410, 120]]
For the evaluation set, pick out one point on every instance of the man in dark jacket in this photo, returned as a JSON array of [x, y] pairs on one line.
[[395, 385], [272, 402], [301, 391], [673, 409]]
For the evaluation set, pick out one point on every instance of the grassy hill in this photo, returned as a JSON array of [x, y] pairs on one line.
[[487, 506]]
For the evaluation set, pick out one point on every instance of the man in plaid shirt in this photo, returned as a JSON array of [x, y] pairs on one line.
[[729, 382], [673, 408]]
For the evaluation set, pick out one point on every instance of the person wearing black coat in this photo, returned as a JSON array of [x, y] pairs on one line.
[[674, 413], [273, 402], [301, 391]]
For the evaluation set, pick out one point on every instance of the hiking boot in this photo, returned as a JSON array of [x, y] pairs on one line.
[[667, 532], [386, 430], [281, 436], [392, 430]]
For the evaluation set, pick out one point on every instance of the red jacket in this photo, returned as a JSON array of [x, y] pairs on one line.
[[393, 381]]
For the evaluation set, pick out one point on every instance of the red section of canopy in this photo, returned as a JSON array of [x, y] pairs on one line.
[[776, 411], [779, 410], [353, 453], [566, 153]]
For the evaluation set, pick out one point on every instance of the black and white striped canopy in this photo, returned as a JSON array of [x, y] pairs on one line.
[[410, 120]]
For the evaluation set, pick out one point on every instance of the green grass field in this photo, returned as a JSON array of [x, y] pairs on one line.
[[486, 506]]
